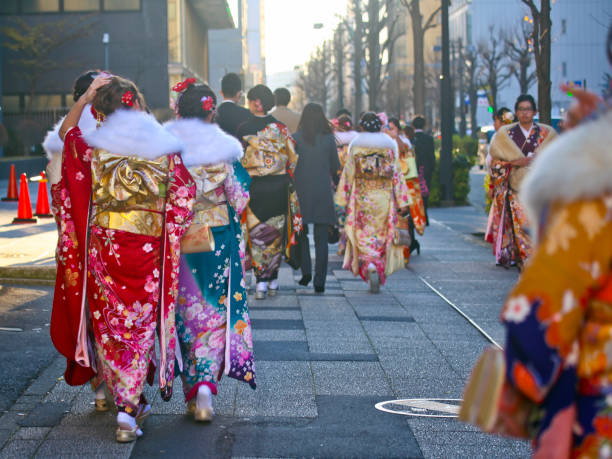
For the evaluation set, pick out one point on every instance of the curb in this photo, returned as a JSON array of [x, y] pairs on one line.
[[28, 273]]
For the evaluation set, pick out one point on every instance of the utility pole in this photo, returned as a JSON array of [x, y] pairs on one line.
[[106, 41], [446, 158], [462, 122]]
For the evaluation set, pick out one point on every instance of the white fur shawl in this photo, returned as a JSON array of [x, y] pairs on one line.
[[133, 133], [576, 166], [205, 143], [53, 144], [503, 148], [344, 138], [374, 140]]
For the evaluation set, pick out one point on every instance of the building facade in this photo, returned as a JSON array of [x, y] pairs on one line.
[[579, 29]]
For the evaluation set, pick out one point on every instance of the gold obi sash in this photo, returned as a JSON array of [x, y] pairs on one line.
[[128, 192], [373, 165], [215, 215], [264, 155], [210, 206]]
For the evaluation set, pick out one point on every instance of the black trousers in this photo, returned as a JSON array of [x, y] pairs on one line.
[[321, 234]]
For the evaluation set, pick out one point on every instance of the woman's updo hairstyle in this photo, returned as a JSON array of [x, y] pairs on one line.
[[118, 93], [370, 122], [82, 83], [197, 101], [345, 123], [262, 93]]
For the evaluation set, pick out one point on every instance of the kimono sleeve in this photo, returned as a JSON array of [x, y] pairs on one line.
[[400, 189], [76, 146], [292, 157], [345, 186], [237, 187], [545, 313]]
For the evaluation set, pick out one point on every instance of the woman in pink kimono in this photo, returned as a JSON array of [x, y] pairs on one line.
[[372, 191], [212, 315], [141, 199]]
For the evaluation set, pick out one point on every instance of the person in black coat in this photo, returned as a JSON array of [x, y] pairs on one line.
[[230, 115], [317, 166], [425, 157]]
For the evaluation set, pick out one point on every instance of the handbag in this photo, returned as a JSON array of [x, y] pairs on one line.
[[333, 235], [494, 405], [198, 238], [401, 236]]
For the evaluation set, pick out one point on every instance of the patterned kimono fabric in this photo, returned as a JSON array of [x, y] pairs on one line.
[[272, 216], [372, 189], [343, 139], [416, 205], [212, 315], [558, 318], [141, 204], [512, 244]]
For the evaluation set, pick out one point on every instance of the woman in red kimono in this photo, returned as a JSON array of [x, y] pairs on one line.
[[141, 200]]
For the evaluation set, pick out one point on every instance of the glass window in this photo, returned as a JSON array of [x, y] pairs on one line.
[[39, 6], [81, 5], [8, 7], [174, 31], [121, 5], [45, 101], [10, 103]]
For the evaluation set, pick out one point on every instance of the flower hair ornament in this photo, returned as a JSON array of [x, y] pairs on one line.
[[127, 98], [182, 85], [371, 125], [208, 104], [508, 117]]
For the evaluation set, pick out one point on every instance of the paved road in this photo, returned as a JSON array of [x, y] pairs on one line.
[[322, 363]]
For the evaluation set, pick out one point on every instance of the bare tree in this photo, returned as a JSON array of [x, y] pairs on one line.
[[354, 26], [419, 28], [494, 69], [472, 84], [541, 39], [381, 33], [339, 53], [35, 44], [315, 79], [520, 52]]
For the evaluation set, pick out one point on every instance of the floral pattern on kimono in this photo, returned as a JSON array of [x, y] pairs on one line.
[[371, 189], [212, 294], [559, 331], [134, 255], [508, 222], [415, 199], [70, 199]]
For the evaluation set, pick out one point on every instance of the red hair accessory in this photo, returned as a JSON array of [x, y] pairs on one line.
[[335, 122], [182, 85], [128, 98], [207, 103]]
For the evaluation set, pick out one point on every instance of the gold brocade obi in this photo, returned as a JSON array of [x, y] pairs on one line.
[[210, 206], [342, 155], [373, 163], [128, 192], [267, 154]]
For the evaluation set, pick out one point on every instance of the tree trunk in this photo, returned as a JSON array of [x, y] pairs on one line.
[[544, 83], [357, 58], [373, 61], [339, 68], [418, 88]]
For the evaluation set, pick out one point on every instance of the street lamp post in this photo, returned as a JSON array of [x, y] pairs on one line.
[[106, 41], [446, 159]]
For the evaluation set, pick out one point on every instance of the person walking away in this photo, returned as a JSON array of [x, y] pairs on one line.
[[407, 160], [212, 294], [425, 157], [317, 167], [373, 192], [141, 200], [282, 113], [516, 145], [272, 216], [344, 133], [229, 114]]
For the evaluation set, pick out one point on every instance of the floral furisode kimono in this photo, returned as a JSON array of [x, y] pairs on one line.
[[558, 318], [512, 244], [273, 215], [343, 139], [141, 201], [212, 315], [371, 189]]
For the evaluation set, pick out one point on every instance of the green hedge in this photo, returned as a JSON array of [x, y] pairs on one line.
[[464, 157]]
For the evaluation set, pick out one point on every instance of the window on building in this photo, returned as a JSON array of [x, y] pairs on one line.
[[563, 26], [121, 5], [39, 6], [44, 101], [8, 7], [81, 5], [175, 43], [11, 103], [564, 69]]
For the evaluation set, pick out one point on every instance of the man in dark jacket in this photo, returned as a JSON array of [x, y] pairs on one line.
[[230, 115], [426, 159]]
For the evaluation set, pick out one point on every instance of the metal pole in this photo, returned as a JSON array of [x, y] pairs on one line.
[[446, 158], [106, 41]]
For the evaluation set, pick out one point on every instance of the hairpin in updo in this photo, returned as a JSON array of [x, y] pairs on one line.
[[208, 104], [127, 98]]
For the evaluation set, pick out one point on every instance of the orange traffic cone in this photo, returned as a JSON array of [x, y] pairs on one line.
[[42, 201], [24, 211], [11, 194]]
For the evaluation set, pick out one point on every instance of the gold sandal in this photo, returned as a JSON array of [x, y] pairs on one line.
[[201, 414], [126, 435], [101, 405]]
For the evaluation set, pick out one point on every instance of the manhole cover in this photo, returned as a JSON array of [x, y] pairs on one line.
[[422, 407]]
